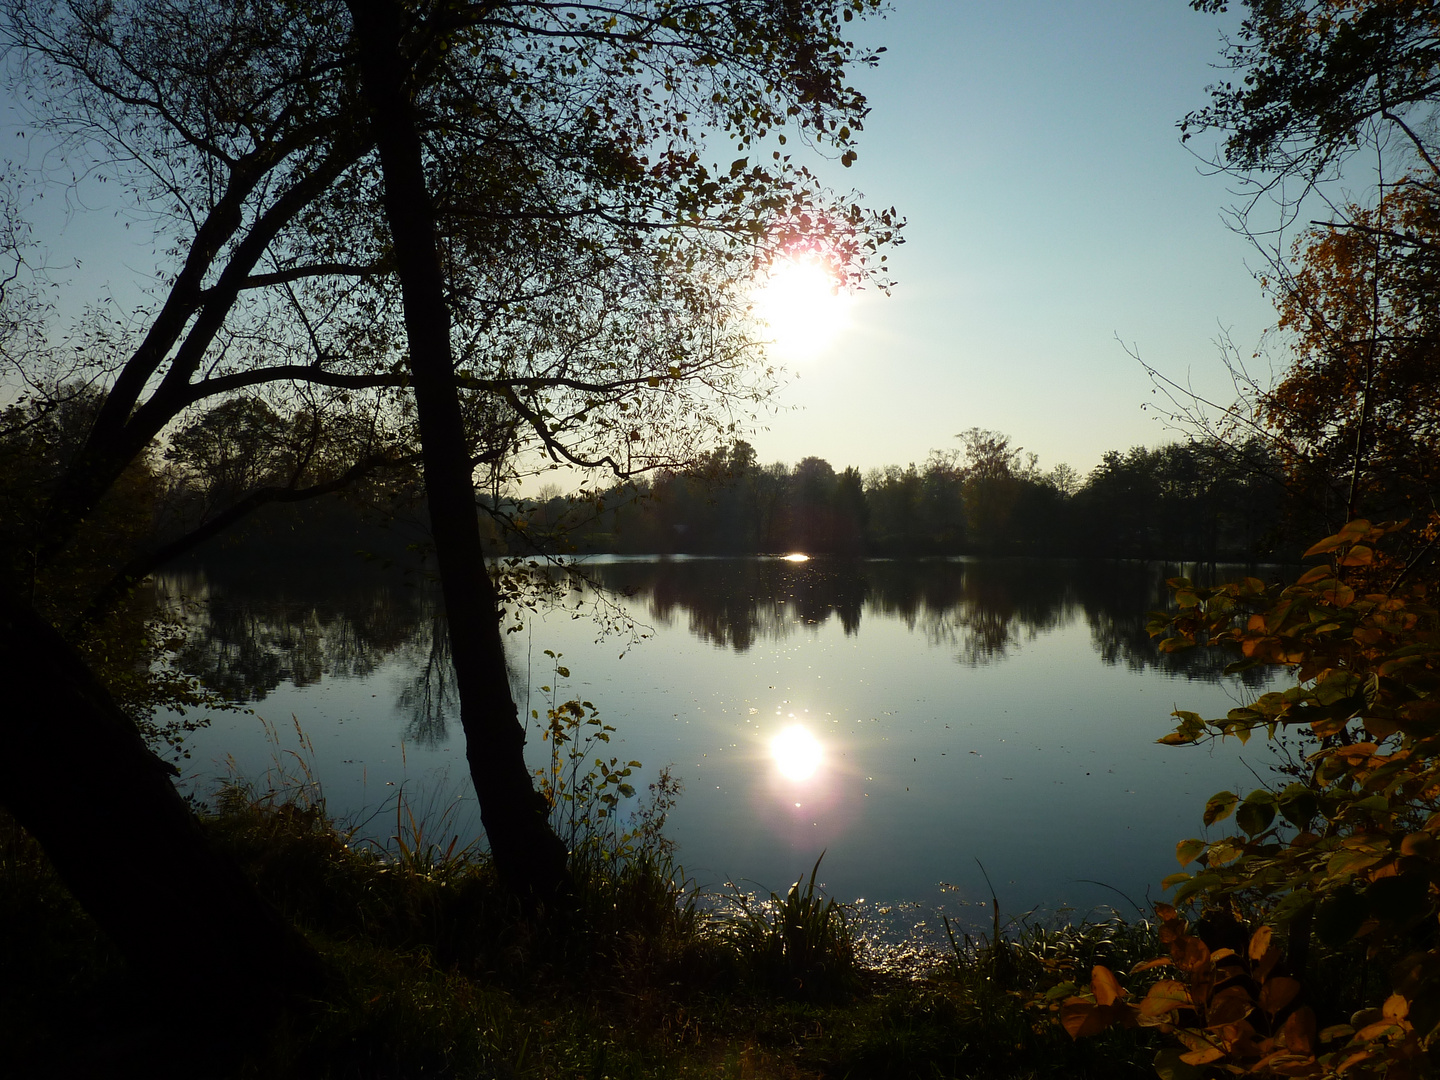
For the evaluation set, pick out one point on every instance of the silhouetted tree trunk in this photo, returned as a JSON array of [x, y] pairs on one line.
[[528, 854], [75, 772]]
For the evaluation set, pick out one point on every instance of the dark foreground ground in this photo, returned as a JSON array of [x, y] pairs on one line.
[[434, 974]]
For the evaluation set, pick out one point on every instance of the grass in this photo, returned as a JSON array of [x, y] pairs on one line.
[[438, 974], [799, 945]]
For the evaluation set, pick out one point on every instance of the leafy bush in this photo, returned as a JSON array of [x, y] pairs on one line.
[[1339, 870]]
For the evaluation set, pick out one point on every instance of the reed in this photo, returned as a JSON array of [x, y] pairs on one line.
[[799, 945]]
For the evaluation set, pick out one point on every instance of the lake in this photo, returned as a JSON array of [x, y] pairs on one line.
[[952, 714]]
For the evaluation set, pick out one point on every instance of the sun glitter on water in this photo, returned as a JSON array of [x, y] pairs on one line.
[[796, 752], [803, 304]]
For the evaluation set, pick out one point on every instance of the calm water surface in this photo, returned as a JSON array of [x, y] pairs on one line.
[[958, 712]]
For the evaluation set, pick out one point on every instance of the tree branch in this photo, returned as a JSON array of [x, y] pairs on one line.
[[300, 273]]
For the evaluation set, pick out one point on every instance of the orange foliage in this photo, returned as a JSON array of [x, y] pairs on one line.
[[1359, 399], [1349, 852]]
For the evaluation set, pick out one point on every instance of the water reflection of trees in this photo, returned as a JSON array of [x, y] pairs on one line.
[[246, 635], [732, 603], [250, 634], [982, 609], [1117, 599], [429, 696]]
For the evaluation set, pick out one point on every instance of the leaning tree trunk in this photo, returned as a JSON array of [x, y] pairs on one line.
[[76, 774], [528, 855]]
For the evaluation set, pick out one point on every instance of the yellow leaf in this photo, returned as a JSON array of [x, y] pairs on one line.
[[1373, 1031], [1203, 1057], [1259, 942], [1106, 987], [1321, 547], [1359, 555], [1355, 530], [1164, 997], [1187, 851], [1277, 993]]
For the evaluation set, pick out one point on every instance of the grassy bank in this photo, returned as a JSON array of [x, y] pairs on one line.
[[436, 973]]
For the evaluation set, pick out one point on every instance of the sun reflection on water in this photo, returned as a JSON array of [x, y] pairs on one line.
[[796, 752]]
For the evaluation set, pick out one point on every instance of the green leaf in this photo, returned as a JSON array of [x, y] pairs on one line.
[[1299, 805], [1295, 903], [1349, 862], [1198, 883], [1190, 728], [1337, 686], [1255, 814], [1219, 806]]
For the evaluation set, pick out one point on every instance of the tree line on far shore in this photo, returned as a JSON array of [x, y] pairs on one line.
[[1190, 501]]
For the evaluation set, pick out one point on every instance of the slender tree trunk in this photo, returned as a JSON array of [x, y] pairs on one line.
[[528, 854], [75, 773]]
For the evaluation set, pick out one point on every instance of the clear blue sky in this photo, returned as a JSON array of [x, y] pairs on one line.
[[1032, 146]]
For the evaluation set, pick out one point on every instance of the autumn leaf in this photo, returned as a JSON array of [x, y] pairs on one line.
[[1105, 986]]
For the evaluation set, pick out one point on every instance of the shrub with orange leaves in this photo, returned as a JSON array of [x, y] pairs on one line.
[[1222, 1006], [1346, 854]]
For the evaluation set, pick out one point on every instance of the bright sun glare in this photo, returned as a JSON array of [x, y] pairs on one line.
[[796, 753], [803, 304]]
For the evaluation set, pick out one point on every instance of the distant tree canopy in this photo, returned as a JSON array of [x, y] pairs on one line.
[[1185, 501]]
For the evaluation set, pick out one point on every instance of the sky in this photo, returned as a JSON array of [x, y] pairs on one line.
[[1054, 219], [1052, 215]]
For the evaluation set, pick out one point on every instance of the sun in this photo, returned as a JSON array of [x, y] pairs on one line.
[[804, 304]]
